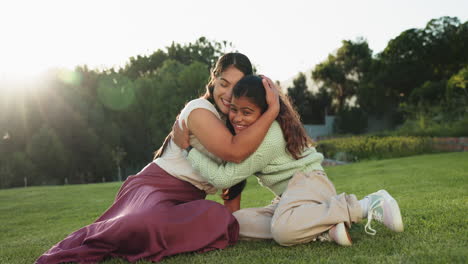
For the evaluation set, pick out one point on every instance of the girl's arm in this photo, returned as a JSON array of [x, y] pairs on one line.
[[217, 139], [223, 176]]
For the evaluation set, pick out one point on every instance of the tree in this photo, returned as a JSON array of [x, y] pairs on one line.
[[49, 156], [300, 97], [202, 50], [320, 105], [341, 73], [158, 99], [118, 154], [411, 73], [140, 65], [418, 56], [16, 170], [75, 124], [456, 94], [445, 40]]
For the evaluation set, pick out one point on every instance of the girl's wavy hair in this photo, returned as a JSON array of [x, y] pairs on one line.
[[289, 120], [234, 59]]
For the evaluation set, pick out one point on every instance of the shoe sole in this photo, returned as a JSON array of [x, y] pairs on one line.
[[336, 233], [392, 213]]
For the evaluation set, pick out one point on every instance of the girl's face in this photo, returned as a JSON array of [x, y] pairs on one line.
[[223, 85], [243, 113]]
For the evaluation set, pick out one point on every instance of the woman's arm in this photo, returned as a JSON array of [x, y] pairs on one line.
[[217, 139], [228, 174]]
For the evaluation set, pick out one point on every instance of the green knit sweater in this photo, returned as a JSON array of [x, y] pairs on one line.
[[270, 163]]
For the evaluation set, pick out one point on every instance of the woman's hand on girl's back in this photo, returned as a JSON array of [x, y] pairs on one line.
[[180, 136]]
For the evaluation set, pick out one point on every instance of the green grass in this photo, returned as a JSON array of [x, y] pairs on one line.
[[432, 191]]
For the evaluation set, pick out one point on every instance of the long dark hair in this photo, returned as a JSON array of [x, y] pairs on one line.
[[234, 59], [297, 140]]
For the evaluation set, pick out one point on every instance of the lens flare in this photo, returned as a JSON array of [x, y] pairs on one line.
[[69, 77], [116, 94]]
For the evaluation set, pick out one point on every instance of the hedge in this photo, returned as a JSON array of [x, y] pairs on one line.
[[370, 147]]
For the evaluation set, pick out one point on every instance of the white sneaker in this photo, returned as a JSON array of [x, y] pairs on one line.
[[338, 234], [383, 208]]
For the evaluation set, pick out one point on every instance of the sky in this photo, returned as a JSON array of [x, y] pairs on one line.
[[282, 38]]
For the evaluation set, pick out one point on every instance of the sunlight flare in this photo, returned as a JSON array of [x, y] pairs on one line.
[[69, 77], [116, 93]]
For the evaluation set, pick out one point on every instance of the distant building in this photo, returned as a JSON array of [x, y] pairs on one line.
[[374, 124], [326, 129]]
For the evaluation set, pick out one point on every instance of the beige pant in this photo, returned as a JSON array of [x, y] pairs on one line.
[[308, 207]]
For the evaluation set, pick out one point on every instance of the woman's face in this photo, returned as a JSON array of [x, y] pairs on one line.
[[223, 85], [243, 113]]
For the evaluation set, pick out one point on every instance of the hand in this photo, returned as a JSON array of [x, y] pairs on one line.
[[180, 135], [225, 194], [272, 94], [234, 204]]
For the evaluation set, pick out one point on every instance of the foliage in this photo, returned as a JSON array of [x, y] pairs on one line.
[[48, 155], [438, 108], [415, 66], [68, 127], [16, 169], [300, 97], [432, 124], [311, 107], [202, 50], [358, 148], [350, 120], [420, 69], [320, 105], [456, 92], [341, 73]]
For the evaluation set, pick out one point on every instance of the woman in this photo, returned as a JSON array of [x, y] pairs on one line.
[[161, 211], [307, 204]]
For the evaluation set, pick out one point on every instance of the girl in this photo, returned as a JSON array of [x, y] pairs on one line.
[[161, 211], [307, 204]]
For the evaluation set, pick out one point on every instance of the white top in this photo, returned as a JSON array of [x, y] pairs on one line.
[[174, 159]]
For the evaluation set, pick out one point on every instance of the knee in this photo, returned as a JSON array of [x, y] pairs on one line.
[[241, 214], [245, 218], [133, 222]]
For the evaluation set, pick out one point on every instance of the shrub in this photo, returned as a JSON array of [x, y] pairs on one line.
[[371, 147], [425, 126]]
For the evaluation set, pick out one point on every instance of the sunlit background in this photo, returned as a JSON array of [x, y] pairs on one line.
[[90, 89], [281, 38]]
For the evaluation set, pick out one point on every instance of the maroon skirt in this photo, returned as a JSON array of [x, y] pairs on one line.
[[154, 215]]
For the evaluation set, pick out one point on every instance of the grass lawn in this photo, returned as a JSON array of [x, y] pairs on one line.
[[432, 191]]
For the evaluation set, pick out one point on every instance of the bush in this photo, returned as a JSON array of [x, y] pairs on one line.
[[425, 126], [370, 147]]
